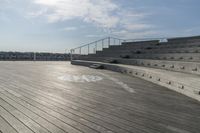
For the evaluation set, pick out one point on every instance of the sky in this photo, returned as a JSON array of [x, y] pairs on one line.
[[59, 25]]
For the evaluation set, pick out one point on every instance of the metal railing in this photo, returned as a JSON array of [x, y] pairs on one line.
[[93, 47], [99, 45]]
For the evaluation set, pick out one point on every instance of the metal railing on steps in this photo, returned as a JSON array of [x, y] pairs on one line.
[[99, 45], [93, 47]]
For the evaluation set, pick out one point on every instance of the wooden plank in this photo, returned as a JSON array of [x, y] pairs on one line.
[[105, 117], [58, 116], [18, 125], [5, 127], [63, 128], [127, 116], [36, 94], [23, 118], [81, 118]]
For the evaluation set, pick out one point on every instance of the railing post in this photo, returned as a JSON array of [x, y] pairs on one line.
[[80, 51], [108, 41], [93, 50], [88, 49], [102, 43], [71, 54], [95, 47]]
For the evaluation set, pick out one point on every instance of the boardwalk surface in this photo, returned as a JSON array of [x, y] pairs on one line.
[[55, 97]]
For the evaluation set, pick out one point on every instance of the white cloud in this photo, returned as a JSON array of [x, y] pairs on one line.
[[136, 27], [97, 12], [4, 18], [70, 29], [192, 30], [95, 36], [37, 13], [102, 13], [135, 35]]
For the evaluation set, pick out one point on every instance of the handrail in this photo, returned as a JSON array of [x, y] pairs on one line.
[[104, 41], [95, 44], [107, 41], [99, 41], [111, 41], [90, 43], [138, 39]]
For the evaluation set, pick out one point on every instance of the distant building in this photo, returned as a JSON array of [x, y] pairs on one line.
[[30, 56]]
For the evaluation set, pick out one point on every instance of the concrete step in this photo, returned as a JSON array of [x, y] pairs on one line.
[[154, 46], [139, 43], [192, 57], [176, 41], [186, 84], [142, 51], [184, 39], [179, 66]]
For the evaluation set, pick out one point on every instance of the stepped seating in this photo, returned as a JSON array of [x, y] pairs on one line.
[[155, 45], [163, 48], [155, 50], [195, 57], [180, 66], [174, 64]]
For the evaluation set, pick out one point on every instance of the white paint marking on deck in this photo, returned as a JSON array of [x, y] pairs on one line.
[[80, 78], [123, 85]]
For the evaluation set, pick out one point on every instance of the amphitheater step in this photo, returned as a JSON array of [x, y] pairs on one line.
[[139, 43], [155, 46], [170, 56], [192, 57], [179, 66], [157, 50], [184, 39], [186, 84]]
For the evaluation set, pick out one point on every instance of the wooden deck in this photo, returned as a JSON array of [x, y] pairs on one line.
[[35, 99]]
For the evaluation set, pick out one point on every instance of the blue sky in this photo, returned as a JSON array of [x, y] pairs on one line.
[[56, 25]]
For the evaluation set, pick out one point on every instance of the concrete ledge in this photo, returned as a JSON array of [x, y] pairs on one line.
[[156, 46], [178, 66], [183, 83], [190, 57], [153, 50]]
